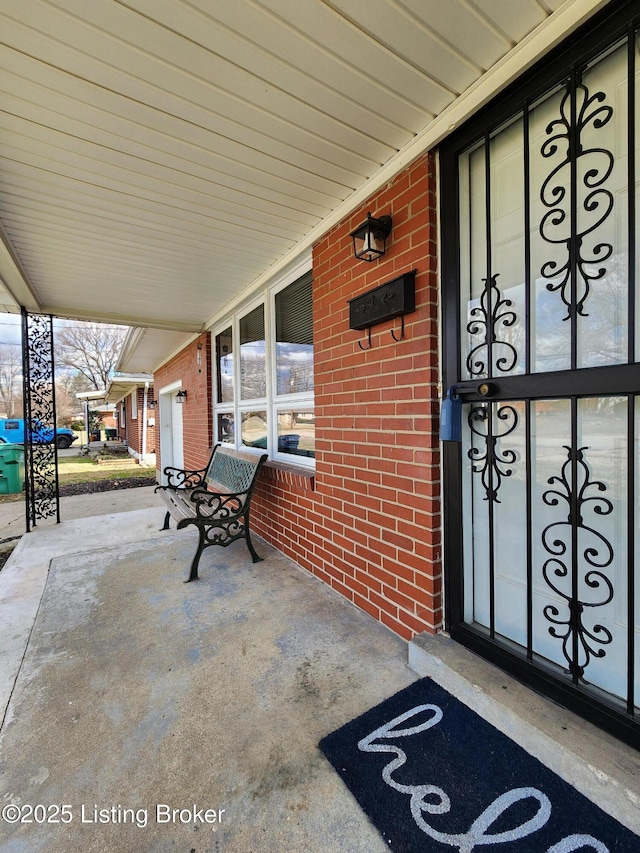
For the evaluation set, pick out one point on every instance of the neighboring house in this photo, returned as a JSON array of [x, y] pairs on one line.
[[525, 305], [96, 408], [106, 415], [135, 414]]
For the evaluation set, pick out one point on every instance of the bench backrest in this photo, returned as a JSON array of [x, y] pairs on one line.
[[232, 470]]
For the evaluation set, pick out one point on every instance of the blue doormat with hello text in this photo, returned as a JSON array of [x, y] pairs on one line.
[[434, 777]]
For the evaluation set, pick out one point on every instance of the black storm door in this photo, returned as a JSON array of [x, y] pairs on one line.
[[541, 227]]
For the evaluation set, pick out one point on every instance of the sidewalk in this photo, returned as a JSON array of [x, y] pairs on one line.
[[112, 517], [13, 518]]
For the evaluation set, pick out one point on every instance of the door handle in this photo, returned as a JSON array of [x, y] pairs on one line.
[[483, 389]]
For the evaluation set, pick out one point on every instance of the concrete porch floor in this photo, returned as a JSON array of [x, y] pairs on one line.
[[126, 689]]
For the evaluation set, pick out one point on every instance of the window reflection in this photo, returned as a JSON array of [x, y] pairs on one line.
[[226, 427], [297, 433], [224, 365], [254, 429]]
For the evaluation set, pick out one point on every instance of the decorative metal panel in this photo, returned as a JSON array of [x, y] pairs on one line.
[[41, 459], [562, 224], [486, 321], [492, 463], [579, 557]]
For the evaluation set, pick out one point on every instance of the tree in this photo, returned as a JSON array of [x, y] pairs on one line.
[[66, 402], [11, 379], [90, 351]]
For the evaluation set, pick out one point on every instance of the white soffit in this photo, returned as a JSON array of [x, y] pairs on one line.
[[144, 350], [123, 385], [160, 157]]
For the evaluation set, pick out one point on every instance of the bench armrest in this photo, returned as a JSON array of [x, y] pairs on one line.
[[182, 478], [219, 505]]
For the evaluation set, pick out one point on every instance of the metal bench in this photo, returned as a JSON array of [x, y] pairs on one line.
[[215, 499]]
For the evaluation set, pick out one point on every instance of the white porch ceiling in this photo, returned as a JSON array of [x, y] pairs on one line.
[[160, 157]]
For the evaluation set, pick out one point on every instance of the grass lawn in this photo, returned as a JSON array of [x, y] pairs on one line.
[[78, 470], [83, 469]]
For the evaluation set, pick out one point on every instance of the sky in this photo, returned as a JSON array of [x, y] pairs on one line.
[[10, 329]]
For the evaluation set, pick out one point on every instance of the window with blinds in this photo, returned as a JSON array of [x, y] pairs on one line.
[[294, 338], [253, 382], [224, 366]]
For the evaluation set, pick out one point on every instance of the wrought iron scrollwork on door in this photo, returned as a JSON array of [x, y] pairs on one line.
[[594, 553], [493, 312], [492, 463], [592, 166]]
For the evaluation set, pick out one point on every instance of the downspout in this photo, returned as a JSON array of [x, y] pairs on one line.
[[86, 420], [144, 423]]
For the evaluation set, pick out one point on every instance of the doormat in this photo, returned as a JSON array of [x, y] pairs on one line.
[[434, 777]]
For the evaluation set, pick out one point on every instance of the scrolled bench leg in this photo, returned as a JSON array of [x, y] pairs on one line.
[[254, 554], [165, 526], [193, 574]]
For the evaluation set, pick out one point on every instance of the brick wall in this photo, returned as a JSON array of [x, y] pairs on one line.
[[368, 523], [135, 425], [151, 428], [134, 432], [108, 419], [192, 367]]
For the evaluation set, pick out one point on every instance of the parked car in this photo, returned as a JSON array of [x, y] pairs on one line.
[[13, 431]]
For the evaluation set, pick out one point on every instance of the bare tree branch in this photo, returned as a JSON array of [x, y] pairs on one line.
[[91, 350], [10, 379]]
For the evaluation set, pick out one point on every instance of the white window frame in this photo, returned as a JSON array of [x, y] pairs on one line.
[[272, 403]]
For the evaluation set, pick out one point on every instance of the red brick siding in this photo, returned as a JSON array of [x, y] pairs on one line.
[[369, 524], [151, 428], [197, 423], [134, 432], [108, 420], [368, 521], [135, 425], [123, 420], [292, 533]]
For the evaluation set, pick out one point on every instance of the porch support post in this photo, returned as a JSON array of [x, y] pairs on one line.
[[42, 498]]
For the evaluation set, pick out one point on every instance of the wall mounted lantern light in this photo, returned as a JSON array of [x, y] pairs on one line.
[[181, 396], [370, 238], [152, 404]]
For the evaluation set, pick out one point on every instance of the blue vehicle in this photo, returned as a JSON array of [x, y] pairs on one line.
[[13, 432]]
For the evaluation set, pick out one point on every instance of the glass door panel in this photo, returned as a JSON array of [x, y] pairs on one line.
[[543, 525], [546, 537]]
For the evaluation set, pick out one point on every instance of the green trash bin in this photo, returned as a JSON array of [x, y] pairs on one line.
[[11, 468]]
